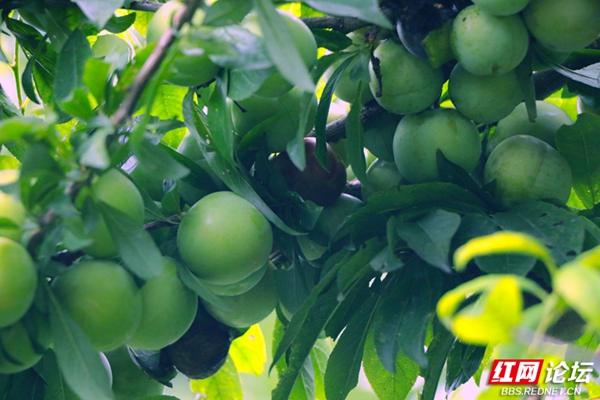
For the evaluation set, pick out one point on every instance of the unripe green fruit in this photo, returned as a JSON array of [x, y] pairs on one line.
[[248, 308], [484, 98], [223, 238], [488, 45], [347, 89], [332, 217], [13, 212], [282, 116], [114, 189], [549, 119], [419, 136], [563, 25], [191, 65], [129, 381], [276, 85], [237, 288], [17, 342], [408, 84], [18, 281], [381, 175], [102, 299], [526, 168], [168, 310], [502, 7]]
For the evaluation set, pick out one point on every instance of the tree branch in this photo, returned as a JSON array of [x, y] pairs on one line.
[[153, 62]]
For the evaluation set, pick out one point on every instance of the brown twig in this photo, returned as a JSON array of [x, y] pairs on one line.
[[153, 62]]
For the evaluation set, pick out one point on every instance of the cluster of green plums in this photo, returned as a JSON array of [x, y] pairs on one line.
[[489, 39]]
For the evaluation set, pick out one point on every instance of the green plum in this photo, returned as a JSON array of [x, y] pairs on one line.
[[525, 168], [549, 119], [248, 308], [488, 45], [408, 84], [419, 136], [18, 281], [168, 310], [484, 98], [223, 238], [102, 299], [114, 189], [563, 25]]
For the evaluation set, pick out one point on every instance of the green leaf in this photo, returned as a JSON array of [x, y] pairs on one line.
[[134, 243], [359, 266], [167, 104], [442, 195], [463, 362], [71, 64], [79, 362], [227, 12], [220, 122], [295, 148], [305, 386], [294, 285], [243, 83], [25, 385], [191, 281], [331, 40], [79, 106], [314, 315], [578, 286], [120, 24], [234, 47], [48, 368], [430, 236], [386, 385], [366, 10], [345, 360], [437, 353], [281, 47], [525, 75], [155, 162], [354, 138], [580, 145], [504, 242], [556, 228], [588, 75], [224, 385], [99, 11], [323, 111], [401, 321], [93, 152]]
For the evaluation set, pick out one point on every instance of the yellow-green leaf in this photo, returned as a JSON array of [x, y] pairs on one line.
[[501, 311], [578, 286], [224, 385], [249, 352], [502, 242]]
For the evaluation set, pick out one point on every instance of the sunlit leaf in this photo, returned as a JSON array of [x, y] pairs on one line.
[[248, 352]]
